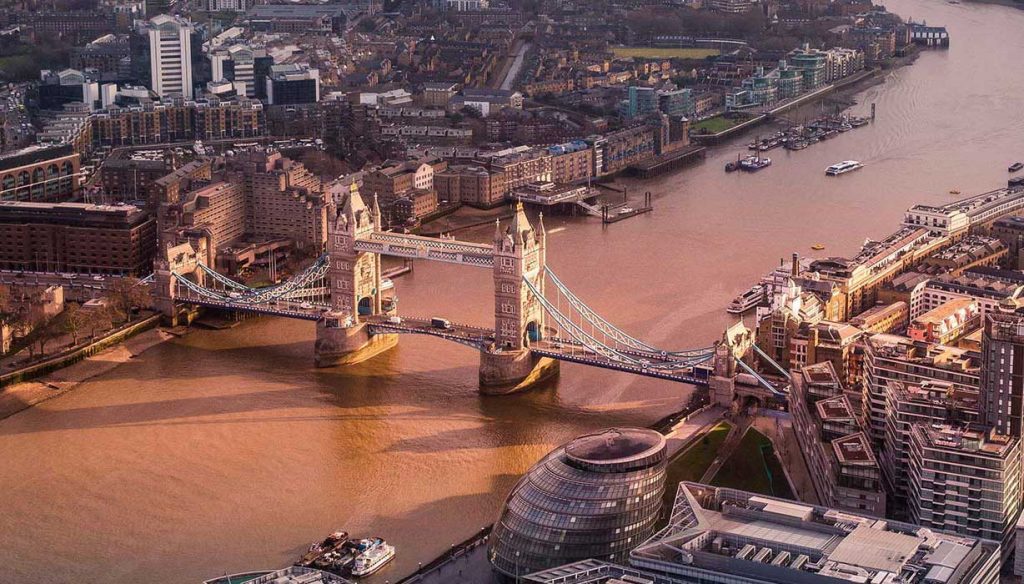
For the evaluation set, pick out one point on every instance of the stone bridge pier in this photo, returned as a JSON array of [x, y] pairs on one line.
[[342, 336]]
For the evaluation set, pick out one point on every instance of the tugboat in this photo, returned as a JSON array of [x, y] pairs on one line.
[[1016, 166], [373, 559]]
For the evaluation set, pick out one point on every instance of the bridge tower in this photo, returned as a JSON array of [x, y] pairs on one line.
[[182, 260], [519, 317], [355, 282]]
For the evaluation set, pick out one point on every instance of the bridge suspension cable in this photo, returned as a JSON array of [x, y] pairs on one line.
[[598, 322]]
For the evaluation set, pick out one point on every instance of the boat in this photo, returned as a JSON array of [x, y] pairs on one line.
[[843, 167], [747, 300], [954, 192], [731, 166], [818, 246], [1016, 166], [858, 122], [755, 163], [625, 210], [317, 549], [373, 559]]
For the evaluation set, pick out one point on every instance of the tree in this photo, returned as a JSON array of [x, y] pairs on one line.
[[96, 319], [75, 321], [125, 294], [43, 330]]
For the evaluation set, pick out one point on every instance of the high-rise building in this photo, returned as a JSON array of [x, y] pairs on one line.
[[642, 100], [890, 358], [170, 55], [965, 480], [292, 84], [1002, 375], [244, 66], [929, 402]]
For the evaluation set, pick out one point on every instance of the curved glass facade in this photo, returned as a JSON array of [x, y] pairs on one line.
[[598, 496]]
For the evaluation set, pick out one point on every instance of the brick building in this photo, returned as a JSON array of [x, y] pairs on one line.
[[77, 238]]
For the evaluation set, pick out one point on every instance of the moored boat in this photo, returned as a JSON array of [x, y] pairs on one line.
[[747, 300], [1016, 166], [373, 559]]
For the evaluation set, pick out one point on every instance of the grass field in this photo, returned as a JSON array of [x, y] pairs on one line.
[[754, 467], [692, 463], [715, 125], [664, 53]]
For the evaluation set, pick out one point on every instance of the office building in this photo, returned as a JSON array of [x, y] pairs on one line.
[[597, 496], [170, 54], [292, 84], [725, 536], [247, 68]]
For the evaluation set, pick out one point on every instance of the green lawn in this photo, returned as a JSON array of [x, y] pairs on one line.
[[754, 467], [664, 53], [692, 463], [714, 125]]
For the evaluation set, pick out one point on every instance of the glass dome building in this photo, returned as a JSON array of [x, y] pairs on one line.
[[599, 496]]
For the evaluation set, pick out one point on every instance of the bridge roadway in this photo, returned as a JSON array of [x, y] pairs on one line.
[[574, 352], [472, 336], [429, 248], [287, 308]]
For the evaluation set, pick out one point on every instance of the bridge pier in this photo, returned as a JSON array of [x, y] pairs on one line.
[[510, 372], [336, 345]]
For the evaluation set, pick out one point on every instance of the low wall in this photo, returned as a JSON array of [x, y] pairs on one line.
[[75, 355]]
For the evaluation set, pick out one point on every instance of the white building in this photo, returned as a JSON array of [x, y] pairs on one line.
[[170, 55]]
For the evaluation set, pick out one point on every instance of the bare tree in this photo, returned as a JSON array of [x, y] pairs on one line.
[[126, 294], [74, 321], [96, 319]]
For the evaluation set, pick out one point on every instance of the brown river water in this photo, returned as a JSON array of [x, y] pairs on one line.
[[226, 451]]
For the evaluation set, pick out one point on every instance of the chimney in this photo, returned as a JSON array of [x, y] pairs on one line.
[[795, 271]]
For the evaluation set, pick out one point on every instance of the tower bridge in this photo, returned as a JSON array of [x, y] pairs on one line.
[[538, 320]]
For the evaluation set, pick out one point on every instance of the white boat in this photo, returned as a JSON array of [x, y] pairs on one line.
[[373, 559], [746, 301], [386, 284], [843, 167]]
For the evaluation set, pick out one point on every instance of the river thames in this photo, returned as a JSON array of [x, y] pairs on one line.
[[227, 451]]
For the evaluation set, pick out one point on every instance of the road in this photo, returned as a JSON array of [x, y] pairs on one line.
[[520, 49]]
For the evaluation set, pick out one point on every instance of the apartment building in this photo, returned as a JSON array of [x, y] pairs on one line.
[[839, 458], [965, 480]]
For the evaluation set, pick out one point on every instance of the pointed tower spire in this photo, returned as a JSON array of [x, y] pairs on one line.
[[497, 230], [540, 223]]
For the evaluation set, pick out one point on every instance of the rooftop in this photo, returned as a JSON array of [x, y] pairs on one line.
[[615, 445], [854, 449], [763, 539]]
